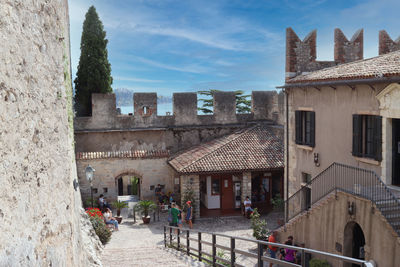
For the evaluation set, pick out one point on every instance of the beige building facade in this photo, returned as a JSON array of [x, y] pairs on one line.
[[343, 135]]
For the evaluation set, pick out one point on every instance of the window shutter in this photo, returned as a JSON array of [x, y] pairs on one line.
[[378, 138], [312, 129], [357, 135], [299, 127]]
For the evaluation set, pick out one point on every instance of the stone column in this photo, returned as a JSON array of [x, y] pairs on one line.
[[246, 185], [191, 182]]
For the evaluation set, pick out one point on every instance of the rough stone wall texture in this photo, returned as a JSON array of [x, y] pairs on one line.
[[301, 55], [323, 228], [386, 44], [191, 182], [42, 222], [150, 171]]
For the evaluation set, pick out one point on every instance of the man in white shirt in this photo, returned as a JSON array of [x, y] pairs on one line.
[[247, 205]]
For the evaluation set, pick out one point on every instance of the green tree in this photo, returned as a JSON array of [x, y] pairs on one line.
[[94, 70], [243, 104]]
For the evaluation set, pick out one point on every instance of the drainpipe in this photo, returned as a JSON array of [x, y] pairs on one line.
[[287, 155]]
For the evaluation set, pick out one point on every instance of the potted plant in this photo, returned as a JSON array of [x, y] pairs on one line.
[[278, 204], [119, 205], [145, 207]]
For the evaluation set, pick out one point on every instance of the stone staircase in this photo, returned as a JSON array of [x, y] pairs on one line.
[[353, 180], [147, 256]]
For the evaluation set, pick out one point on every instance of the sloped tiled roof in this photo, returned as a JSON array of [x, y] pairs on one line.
[[256, 148], [387, 65], [134, 154]]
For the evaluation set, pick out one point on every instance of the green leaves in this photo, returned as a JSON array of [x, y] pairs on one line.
[[94, 69], [145, 207], [243, 104], [259, 226]]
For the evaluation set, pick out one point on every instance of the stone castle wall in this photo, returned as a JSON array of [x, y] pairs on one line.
[[266, 105], [42, 222]]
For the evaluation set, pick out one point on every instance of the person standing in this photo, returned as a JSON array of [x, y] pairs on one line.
[[157, 190], [290, 254], [272, 249], [188, 216], [174, 214]]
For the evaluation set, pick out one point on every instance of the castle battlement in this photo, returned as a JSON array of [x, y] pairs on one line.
[[301, 54], [265, 106]]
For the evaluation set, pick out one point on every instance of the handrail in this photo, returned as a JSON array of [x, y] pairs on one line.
[[342, 177], [212, 258]]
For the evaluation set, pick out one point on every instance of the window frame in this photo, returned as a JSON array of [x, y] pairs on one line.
[[218, 182], [367, 136], [305, 128]]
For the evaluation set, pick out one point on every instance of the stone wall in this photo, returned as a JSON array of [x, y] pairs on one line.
[[301, 55], [265, 107], [386, 44], [42, 222], [191, 182], [323, 228], [150, 171]]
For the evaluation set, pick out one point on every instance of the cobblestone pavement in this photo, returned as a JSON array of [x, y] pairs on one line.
[[136, 244]]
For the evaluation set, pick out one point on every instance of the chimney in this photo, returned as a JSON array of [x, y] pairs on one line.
[[386, 44], [348, 51]]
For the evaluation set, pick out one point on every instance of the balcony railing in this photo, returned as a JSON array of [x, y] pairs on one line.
[[197, 244]]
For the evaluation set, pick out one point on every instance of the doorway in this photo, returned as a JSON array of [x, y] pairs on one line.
[[396, 152], [128, 185], [227, 192], [354, 242]]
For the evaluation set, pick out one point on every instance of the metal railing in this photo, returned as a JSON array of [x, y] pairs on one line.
[[349, 179], [173, 238]]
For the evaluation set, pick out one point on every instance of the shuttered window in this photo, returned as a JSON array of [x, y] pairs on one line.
[[367, 136], [305, 127]]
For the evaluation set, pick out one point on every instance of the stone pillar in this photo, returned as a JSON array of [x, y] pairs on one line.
[[246, 185], [191, 182]]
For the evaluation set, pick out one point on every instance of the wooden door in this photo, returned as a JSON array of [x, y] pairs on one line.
[[226, 192]]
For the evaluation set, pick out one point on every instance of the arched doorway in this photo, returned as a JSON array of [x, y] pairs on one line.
[[128, 184], [354, 242]]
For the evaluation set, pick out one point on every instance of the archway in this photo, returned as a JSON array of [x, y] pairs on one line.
[[128, 184], [354, 242]]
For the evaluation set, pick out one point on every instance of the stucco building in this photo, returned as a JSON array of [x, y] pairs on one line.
[[342, 138]]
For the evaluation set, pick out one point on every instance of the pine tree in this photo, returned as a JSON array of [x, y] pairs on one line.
[[94, 70], [243, 104]]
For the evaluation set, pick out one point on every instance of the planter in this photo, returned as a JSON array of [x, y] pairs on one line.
[[119, 219], [146, 220]]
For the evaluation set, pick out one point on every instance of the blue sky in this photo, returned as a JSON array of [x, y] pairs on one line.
[[168, 46]]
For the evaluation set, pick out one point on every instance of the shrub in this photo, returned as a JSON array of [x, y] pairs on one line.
[[101, 229], [99, 226], [278, 202], [319, 263], [259, 226]]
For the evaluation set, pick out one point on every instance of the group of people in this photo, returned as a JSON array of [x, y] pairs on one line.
[[176, 214], [285, 254]]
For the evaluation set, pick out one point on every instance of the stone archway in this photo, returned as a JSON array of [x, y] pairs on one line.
[[128, 183], [354, 242]]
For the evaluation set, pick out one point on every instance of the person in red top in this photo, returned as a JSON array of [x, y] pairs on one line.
[[271, 249]]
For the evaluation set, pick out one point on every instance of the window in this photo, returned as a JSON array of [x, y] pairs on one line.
[[306, 177], [305, 127], [94, 190], [105, 189], [367, 136], [215, 186]]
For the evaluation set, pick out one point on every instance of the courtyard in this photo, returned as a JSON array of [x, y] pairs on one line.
[[137, 244]]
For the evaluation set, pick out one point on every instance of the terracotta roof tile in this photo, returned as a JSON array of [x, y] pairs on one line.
[[256, 148], [386, 65], [136, 154]]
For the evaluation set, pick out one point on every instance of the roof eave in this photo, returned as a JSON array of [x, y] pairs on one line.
[[341, 82]]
